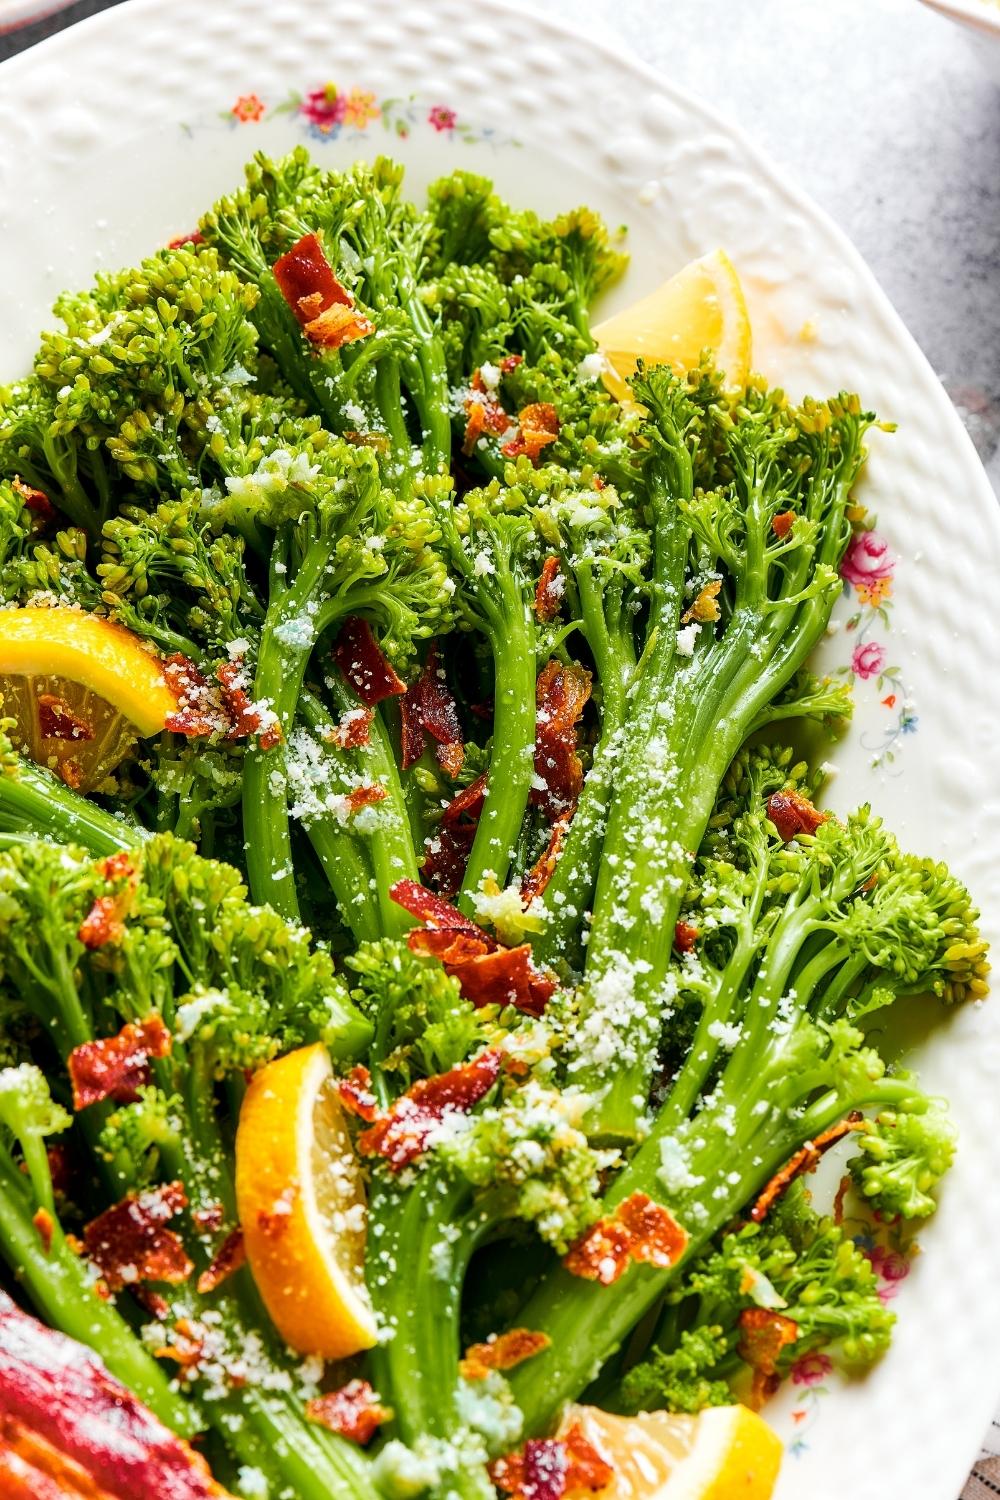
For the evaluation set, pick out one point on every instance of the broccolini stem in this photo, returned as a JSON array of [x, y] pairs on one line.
[[33, 800]]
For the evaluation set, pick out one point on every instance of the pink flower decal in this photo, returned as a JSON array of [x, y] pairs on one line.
[[868, 565], [811, 1369], [868, 659], [441, 118], [325, 109], [891, 1268], [248, 109]]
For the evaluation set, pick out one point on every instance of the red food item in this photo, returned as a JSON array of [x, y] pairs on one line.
[[561, 694], [355, 1094], [363, 662], [502, 1352], [538, 425], [638, 1230], [353, 730], [56, 720], [59, 1168], [792, 814], [468, 803], [103, 923], [230, 1255], [685, 937], [403, 1132], [484, 413], [209, 1218], [510, 362], [763, 1335], [364, 796], [62, 1414], [130, 1241], [805, 1160], [354, 1411], [199, 710], [37, 501], [435, 912], [304, 275], [548, 1468], [782, 525], [116, 1067], [45, 1224], [429, 707], [244, 716], [193, 237], [543, 869], [548, 593], [446, 854]]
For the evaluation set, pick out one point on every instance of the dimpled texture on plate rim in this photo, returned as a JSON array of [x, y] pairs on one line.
[[96, 169]]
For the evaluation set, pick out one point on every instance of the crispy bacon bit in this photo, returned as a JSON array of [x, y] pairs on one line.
[[510, 362], [199, 710], [354, 729], [193, 237], [274, 1221], [404, 1131], [130, 1241], [102, 924], [502, 1352], [45, 1224], [543, 869], [706, 605], [336, 326], [805, 1160], [304, 275], [685, 937], [362, 661], [244, 716], [354, 1411], [116, 1067], [63, 1414], [364, 796], [561, 694], [763, 1335], [426, 907], [37, 501], [549, 591], [429, 707], [484, 413], [549, 1468], [356, 1096], [468, 803], [57, 721], [210, 1218], [230, 1255], [792, 814], [71, 773], [446, 855], [538, 425], [781, 525], [638, 1230]]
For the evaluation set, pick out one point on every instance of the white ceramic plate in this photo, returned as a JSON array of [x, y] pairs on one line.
[[980, 21], [116, 134]]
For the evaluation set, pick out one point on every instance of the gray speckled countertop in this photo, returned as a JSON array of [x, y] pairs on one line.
[[879, 109]]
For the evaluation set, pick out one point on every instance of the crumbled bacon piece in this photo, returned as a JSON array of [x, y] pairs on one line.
[[423, 904], [116, 1067], [37, 501], [336, 326], [199, 710], [57, 721], [403, 1132], [561, 694], [763, 1336], [71, 773], [543, 869], [510, 362], [363, 662], [45, 1224], [792, 814], [130, 1241], [549, 590], [364, 796], [538, 425], [305, 276], [354, 729], [705, 607], [210, 1218], [685, 937], [354, 1411], [230, 1255], [243, 714], [446, 855], [468, 802], [355, 1094], [638, 1230], [502, 1352], [484, 413], [805, 1160], [64, 1415], [781, 525], [549, 1468], [429, 708], [193, 237], [103, 923]]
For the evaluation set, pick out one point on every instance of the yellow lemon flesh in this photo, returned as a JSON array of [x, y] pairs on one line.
[[80, 688], [724, 1453], [700, 308], [301, 1204]]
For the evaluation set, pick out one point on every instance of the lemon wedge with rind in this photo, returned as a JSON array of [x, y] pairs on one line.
[[701, 308], [301, 1201], [723, 1453]]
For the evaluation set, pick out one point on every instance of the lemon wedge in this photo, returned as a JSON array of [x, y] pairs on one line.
[[301, 1201], [80, 688], [724, 1453], [701, 307]]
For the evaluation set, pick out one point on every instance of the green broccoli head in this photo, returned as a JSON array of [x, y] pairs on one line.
[[901, 1158]]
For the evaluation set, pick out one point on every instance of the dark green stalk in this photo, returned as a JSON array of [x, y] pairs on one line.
[[32, 800]]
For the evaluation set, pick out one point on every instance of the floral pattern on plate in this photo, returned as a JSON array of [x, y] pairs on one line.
[[328, 111], [867, 570]]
